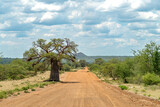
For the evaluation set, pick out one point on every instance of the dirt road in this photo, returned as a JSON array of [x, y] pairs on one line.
[[79, 89]]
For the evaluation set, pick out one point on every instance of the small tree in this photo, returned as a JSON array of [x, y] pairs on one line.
[[52, 53], [83, 63], [99, 61]]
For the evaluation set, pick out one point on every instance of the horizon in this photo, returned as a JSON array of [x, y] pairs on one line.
[[99, 27]]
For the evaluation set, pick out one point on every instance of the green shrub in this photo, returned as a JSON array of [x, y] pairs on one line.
[[3, 94], [143, 90], [41, 86], [66, 67], [33, 90], [35, 85], [25, 88], [26, 91], [151, 79], [17, 89], [10, 92], [123, 87]]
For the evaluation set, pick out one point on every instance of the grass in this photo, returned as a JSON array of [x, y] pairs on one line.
[[143, 90], [5, 94], [123, 87]]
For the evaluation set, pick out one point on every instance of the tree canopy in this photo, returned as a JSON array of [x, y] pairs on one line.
[[51, 53]]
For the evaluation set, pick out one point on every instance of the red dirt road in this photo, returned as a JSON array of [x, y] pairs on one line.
[[79, 89]]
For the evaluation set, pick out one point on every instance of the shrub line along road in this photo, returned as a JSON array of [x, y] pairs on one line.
[[79, 89]]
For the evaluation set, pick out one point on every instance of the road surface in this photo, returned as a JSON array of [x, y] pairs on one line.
[[79, 89]]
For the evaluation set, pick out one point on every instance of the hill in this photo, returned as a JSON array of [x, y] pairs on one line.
[[6, 60], [90, 59], [79, 56]]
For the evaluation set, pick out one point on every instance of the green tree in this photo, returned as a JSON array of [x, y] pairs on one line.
[[83, 63], [52, 53], [149, 58], [99, 61]]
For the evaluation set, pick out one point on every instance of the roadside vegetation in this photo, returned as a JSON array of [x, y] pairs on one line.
[[25, 89], [14, 87], [142, 69], [21, 76]]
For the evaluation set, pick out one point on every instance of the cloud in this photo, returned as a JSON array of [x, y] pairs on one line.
[[8, 43], [100, 25], [139, 25], [30, 19], [52, 1], [149, 5], [49, 35], [126, 42], [45, 7], [3, 35], [52, 18]]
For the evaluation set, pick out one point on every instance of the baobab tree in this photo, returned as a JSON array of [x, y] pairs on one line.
[[52, 53]]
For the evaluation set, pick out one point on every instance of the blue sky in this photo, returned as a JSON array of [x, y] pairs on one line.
[[99, 27]]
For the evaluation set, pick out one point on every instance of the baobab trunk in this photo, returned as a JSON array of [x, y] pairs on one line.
[[54, 75]]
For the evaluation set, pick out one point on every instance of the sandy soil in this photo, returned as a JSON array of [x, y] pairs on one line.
[[79, 89], [12, 84]]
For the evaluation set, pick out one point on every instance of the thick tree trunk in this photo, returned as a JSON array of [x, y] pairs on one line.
[[54, 75]]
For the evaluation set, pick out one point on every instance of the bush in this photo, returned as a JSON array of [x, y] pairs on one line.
[[66, 67], [94, 67], [18, 69], [151, 79], [33, 90], [41, 86], [3, 94], [123, 87], [25, 88], [26, 91]]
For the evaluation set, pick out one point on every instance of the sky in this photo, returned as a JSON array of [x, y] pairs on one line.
[[99, 27]]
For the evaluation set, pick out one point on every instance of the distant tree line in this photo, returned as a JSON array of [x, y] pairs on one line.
[[144, 67]]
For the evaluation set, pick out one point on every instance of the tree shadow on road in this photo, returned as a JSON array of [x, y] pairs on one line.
[[65, 82]]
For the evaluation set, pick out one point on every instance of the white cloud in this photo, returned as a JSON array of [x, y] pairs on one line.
[[2, 35], [48, 16], [101, 23], [158, 30], [108, 42], [74, 14], [30, 20], [148, 15], [126, 42], [79, 34], [49, 35], [78, 26], [109, 5], [47, 7], [8, 43], [5, 24]]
